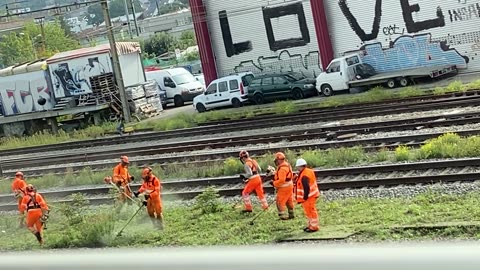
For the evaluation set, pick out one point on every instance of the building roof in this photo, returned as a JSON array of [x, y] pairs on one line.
[[24, 68], [122, 49]]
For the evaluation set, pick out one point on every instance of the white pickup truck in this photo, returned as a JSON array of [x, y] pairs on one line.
[[349, 71]]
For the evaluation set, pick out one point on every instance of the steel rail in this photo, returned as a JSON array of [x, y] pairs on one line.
[[216, 143], [232, 186], [330, 115], [371, 144], [425, 99]]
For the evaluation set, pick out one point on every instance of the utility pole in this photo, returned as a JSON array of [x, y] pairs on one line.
[[134, 18], [158, 7], [128, 20], [41, 21], [116, 62]]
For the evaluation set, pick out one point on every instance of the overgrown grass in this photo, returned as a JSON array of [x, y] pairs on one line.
[[185, 120], [449, 145], [68, 227]]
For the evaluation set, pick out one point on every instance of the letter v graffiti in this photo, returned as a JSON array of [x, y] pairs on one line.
[[354, 24]]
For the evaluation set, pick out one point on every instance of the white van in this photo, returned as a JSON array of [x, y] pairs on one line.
[[227, 91], [179, 83]]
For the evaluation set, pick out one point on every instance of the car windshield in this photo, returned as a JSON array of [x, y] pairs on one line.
[[291, 78], [296, 75], [184, 78]]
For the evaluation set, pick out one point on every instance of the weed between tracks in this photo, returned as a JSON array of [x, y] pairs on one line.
[[187, 120], [82, 226], [449, 145]]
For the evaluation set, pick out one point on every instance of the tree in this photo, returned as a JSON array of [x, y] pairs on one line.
[[17, 48], [160, 44], [171, 7], [187, 39], [116, 8]]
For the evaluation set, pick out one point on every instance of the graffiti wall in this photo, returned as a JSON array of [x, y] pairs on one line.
[[407, 33], [72, 77], [263, 36], [21, 93]]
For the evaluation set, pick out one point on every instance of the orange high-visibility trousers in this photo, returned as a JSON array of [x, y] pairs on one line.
[[284, 201], [33, 220], [154, 208], [310, 210], [122, 197], [19, 200], [254, 184]]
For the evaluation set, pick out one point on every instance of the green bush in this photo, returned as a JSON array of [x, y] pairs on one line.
[[208, 202], [82, 227]]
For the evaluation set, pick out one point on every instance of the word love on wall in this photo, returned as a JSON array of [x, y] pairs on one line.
[[408, 10], [268, 14]]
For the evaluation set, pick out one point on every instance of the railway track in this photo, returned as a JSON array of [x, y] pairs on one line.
[[372, 144], [469, 99], [323, 132], [345, 108], [460, 170]]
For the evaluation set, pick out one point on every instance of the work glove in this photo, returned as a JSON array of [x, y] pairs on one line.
[[144, 203], [132, 178], [242, 177], [136, 193], [17, 195], [147, 196]]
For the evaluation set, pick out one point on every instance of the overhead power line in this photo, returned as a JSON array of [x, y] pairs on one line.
[[57, 9]]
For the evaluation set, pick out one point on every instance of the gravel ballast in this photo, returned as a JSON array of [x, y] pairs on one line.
[[247, 132]]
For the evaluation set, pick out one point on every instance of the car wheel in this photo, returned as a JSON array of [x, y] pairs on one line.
[[297, 93], [327, 90], [201, 108], [236, 103], [178, 100], [258, 98]]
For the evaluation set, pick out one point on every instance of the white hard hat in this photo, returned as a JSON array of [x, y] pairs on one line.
[[300, 162]]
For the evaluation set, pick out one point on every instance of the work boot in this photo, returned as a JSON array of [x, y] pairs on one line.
[[39, 238], [308, 230], [291, 214], [247, 211]]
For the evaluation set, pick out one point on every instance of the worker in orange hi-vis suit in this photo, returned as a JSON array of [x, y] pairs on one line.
[[151, 189], [253, 182], [307, 193], [122, 178], [283, 183], [19, 190], [37, 212]]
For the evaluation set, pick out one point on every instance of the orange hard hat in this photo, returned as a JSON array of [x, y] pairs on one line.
[[279, 156], [19, 174], [30, 188], [124, 159], [146, 172], [243, 154]]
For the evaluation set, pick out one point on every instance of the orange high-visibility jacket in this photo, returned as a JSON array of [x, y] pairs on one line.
[[153, 184], [19, 185], [121, 175], [283, 176], [306, 186], [33, 200]]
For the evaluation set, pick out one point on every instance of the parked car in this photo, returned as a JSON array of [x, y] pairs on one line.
[[227, 91], [200, 78], [279, 86], [179, 83]]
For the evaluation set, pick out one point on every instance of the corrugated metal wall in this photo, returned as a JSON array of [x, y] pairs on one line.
[[263, 36], [457, 21]]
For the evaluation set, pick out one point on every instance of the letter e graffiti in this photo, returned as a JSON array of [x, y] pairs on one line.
[[231, 48], [281, 11], [356, 27], [414, 27]]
